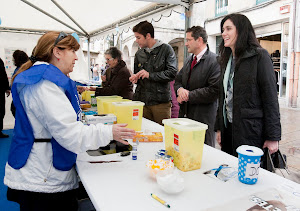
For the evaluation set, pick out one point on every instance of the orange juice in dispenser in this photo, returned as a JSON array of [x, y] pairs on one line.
[[184, 141], [130, 113]]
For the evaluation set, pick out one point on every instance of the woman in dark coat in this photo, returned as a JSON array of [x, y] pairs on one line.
[[248, 111], [20, 57], [116, 81]]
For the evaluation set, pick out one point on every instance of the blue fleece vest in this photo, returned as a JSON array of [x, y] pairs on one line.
[[23, 137]]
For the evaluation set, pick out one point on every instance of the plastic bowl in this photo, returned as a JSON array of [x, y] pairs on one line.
[[160, 167], [170, 183]]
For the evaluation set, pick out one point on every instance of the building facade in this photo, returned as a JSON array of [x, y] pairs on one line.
[[276, 24]]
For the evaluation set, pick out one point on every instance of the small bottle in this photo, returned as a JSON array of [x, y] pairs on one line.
[[93, 100], [134, 152]]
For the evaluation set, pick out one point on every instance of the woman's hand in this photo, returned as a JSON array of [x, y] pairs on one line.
[[218, 137], [271, 145], [121, 133], [81, 89], [7, 93], [103, 78]]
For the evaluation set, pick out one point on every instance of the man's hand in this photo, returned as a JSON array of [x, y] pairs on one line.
[[218, 137], [271, 145], [143, 74], [133, 79], [183, 95]]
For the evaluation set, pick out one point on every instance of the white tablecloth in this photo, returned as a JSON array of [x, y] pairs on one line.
[[127, 185]]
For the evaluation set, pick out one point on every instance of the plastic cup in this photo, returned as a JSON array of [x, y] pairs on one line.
[[249, 163]]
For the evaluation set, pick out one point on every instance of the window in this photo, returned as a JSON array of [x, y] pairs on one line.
[[219, 39], [221, 7], [261, 1]]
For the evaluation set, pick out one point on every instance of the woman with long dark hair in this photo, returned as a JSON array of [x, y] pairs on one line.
[[248, 111]]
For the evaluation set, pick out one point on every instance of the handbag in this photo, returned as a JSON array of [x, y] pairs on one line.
[[276, 163]]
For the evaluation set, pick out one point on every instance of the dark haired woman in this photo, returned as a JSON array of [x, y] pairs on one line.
[[248, 111], [20, 57], [48, 134], [116, 79]]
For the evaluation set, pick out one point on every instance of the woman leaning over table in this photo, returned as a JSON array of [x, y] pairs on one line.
[[248, 111], [40, 172], [116, 80]]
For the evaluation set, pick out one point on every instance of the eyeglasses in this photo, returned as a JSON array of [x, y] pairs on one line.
[[107, 59], [60, 37]]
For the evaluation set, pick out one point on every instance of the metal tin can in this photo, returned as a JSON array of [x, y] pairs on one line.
[[162, 151], [159, 155]]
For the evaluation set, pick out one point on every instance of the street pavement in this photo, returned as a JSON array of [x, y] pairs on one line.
[[289, 144]]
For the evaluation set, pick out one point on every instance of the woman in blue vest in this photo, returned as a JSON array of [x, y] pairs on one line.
[[40, 172]]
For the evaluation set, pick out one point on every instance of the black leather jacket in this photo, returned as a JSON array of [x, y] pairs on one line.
[[161, 64]]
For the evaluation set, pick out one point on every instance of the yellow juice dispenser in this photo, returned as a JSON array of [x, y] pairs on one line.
[[101, 99], [184, 140], [130, 113], [86, 95], [108, 107]]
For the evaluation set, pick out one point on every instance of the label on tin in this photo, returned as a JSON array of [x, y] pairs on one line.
[[176, 142]]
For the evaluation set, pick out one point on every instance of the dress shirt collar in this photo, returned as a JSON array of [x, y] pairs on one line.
[[199, 56]]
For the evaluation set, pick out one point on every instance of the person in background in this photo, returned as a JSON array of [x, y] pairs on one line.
[[154, 68], [116, 80], [20, 57], [4, 89], [48, 134], [248, 111], [96, 71], [175, 105], [276, 53], [197, 83]]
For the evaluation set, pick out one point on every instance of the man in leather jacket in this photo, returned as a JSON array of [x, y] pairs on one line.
[[154, 67]]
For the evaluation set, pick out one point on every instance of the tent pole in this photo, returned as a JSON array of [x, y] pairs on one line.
[[187, 25], [42, 11], [67, 14], [89, 60]]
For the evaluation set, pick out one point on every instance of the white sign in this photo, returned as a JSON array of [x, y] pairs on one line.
[[252, 170]]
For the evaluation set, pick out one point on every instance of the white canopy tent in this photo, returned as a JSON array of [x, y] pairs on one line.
[[24, 14], [87, 18]]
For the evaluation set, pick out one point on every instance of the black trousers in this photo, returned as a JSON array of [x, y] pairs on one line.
[[2, 109], [33, 201], [226, 142]]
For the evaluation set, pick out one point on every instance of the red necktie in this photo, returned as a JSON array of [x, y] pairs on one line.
[[192, 65], [194, 62]]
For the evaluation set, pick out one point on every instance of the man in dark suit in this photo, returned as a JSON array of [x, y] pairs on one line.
[[197, 83], [4, 88]]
